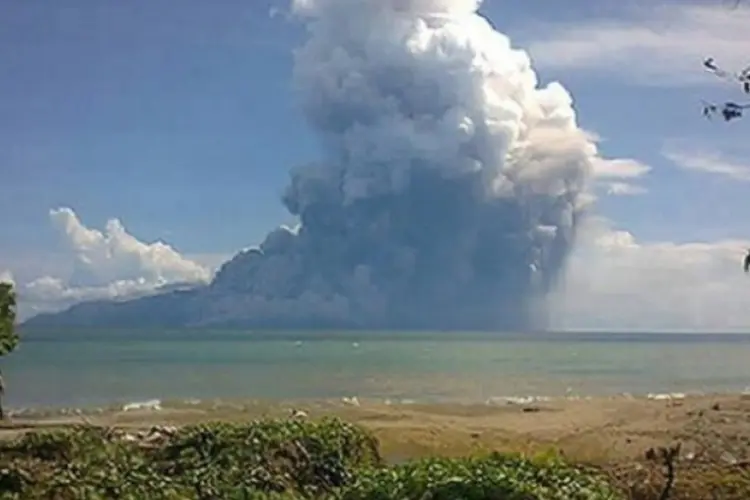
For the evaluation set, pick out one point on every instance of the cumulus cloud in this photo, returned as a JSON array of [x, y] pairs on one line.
[[657, 45], [708, 162], [615, 281], [103, 257], [451, 186], [109, 264]]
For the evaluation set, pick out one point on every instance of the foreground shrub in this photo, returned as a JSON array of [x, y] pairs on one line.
[[276, 459], [270, 456], [490, 478], [220, 460]]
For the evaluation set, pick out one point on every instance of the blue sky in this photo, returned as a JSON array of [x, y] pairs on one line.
[[170, 119], [182, 124]]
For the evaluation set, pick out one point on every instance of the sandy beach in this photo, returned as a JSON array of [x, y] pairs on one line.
[[596, 430]]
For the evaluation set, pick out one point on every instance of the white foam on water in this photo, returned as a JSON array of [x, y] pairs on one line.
[[151, 404], [516, 400], [665, 396]]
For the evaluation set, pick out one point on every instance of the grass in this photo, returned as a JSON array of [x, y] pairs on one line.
[[327, 459]]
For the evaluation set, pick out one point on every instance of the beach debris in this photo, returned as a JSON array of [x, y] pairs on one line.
[[716, 407], [128, 438], [728, 458], [353, 401], [155, 435], [297, 414]]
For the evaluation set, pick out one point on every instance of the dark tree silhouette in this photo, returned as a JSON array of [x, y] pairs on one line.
[[729, 110], [8, 334]]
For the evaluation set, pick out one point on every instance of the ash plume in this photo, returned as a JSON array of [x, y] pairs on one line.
[[449, 188]]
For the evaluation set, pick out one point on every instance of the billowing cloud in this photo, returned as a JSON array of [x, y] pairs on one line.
[[709, 162], [658, 45], [451, 185], [616, 282], [448, 193], [109, 264]]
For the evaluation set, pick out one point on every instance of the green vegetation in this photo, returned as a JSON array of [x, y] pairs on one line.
[[326, 460], [278, 459], [8, 335], [480, 478]]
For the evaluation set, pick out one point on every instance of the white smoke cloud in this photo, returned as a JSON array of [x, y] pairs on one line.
[[109, 264], [452, 182], [448, 194], [420, 8], [616, 282]]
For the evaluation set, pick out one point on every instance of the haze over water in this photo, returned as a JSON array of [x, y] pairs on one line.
[[74, 369]]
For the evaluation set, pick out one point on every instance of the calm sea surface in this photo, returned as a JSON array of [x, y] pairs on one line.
[[97, 368]]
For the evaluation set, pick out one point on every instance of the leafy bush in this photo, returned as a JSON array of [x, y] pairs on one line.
[[494, 477], [267, 460], [269, 456], [207, 461]]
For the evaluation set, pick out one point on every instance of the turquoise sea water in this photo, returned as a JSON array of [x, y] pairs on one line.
[[64, 369]]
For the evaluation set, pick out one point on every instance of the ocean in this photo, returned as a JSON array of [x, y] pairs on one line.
[[88, 369]]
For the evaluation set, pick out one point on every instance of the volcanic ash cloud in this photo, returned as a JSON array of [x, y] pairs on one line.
[[450, 186]]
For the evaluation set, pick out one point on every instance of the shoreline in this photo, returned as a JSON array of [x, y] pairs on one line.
[[172, 404], [594, 429]]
